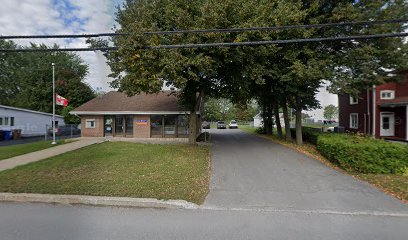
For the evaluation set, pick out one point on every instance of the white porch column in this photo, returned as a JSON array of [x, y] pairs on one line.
[[374, 110], [406, 123]]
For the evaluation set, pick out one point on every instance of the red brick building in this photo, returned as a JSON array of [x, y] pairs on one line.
[[141, 116], [387, 102]]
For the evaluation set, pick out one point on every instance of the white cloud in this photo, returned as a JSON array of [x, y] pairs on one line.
[[25, 17]]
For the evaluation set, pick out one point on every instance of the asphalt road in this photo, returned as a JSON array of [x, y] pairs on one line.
[[50, 222], [252, 172], [259, 190]]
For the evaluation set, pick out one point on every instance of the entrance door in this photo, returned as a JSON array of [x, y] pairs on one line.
[[108, 127], [387, 128], [119, 127], [129, 125]]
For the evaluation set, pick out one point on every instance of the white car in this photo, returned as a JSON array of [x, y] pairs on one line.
[[233, 124]]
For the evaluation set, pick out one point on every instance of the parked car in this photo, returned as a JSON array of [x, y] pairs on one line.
[[206, 125], [65, 130], [233, 124], [221, 125]]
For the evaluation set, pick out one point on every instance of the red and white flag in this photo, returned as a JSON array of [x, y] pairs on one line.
[[61, 101]]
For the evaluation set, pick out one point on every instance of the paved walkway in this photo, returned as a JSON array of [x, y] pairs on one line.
[[46, 153], [252, 172]]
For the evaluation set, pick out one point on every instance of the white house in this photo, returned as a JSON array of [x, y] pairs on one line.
[[258, 121], [32, 123]]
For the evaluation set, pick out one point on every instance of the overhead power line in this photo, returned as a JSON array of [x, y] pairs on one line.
[[257, 43], [227, 30], [276, 28], [204, 45]]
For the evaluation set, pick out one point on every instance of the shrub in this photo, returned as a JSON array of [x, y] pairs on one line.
[[204, 136], [362, 154], [260, 130], [309, 134]]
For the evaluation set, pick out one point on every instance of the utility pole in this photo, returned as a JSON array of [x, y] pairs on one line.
[[53, 104]]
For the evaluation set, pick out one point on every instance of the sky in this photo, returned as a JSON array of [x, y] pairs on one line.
[[37, 17]]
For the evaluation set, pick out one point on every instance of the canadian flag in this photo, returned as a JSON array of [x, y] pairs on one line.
[[61, 101]]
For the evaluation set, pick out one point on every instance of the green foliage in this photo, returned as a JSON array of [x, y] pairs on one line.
[[330, 112], [260, 130], [26, 78], [362, 154], [223, 109], [309, 134], [275, 75], [69, 118], [20, 149]]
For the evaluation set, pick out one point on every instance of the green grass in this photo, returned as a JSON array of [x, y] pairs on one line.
[[117, 169], [20, 149]]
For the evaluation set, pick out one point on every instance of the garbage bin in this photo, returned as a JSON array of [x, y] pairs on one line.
[[1, 135], [7, 135], [16, 134]]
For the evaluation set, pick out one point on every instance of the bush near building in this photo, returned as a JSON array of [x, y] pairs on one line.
[[309, 134], [363, 154]]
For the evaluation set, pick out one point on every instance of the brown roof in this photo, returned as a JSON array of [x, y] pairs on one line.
[[116, 102]]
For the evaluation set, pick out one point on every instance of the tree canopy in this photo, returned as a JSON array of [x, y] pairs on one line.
[[26, 79], [278, 76]]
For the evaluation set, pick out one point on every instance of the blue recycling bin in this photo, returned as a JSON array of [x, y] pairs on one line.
[[7, 135]]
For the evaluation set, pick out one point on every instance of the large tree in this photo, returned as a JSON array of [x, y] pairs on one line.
[[26, 78], [330, 112], [278, 76], [195, 72]]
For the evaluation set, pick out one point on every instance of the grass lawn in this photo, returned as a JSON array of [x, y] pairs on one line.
[[118, 169], [20, 149], [395, 185]]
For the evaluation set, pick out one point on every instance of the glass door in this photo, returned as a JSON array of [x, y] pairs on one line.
[[170, 126], [129, 125], [119, 127], [156, 126], [108, 127]]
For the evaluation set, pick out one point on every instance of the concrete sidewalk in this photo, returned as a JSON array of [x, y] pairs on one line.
[[46, 153]]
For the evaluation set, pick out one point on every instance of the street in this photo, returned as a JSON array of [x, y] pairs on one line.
[[46, 222], [258, 190]]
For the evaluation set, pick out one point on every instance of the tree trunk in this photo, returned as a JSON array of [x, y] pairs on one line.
[[299, 138], [277, 120], [286, 120], [269, 122], [193, 128]]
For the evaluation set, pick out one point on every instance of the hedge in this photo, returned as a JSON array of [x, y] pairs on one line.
[[363, 154], [309, 134]]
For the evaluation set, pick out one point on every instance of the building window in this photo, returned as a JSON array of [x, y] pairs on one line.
[[1, 121], [6, 121], [90, 123], [354, 120], [353, 100], [387, 94], [12, 121]]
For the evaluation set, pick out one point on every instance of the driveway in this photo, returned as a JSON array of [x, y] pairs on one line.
[[252, 172]]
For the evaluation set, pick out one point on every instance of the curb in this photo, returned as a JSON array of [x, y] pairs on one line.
[[97, 200]]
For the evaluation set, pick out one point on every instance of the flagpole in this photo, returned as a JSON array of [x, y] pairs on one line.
[[53, 104]]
